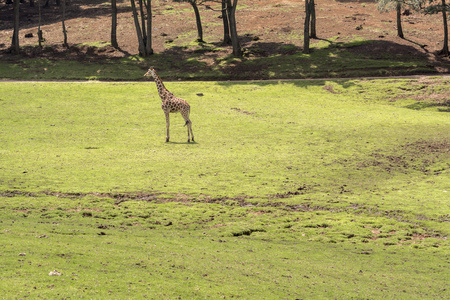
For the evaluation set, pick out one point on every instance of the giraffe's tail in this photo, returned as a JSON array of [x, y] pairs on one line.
[[187, 122]]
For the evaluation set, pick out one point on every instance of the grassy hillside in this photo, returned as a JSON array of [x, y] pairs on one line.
[[292, 189]]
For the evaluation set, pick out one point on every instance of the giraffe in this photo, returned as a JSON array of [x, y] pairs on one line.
[[171, 104]]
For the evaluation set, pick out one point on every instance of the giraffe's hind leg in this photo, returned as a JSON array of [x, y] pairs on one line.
[[190, 129], [189, 138], [167, 127]]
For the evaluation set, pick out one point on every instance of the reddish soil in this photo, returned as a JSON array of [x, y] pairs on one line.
[[272, 25]]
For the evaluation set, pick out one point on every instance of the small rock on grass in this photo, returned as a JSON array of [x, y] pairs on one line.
[[55, 273]]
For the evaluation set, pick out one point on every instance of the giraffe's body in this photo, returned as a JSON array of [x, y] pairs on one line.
[[171, 104]]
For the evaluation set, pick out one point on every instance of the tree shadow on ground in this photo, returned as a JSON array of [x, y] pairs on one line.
[[262, 60], [53, 14], [81, 53], [374, 58]]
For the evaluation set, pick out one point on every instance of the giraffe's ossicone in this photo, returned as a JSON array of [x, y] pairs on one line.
[[171, 104]]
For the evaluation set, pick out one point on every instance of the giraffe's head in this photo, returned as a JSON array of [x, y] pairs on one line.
[[151, 72]]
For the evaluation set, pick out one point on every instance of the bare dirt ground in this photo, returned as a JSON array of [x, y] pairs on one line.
[[272, 26]]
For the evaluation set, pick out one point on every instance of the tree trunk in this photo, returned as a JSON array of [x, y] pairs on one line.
[[64, 23], [444, 16], [144, 31], [39, 33], [306, 29], [231, 8], [114, 24], [145, 41], [399, 20], [148, 45], [313, 34], [226, 25], [138, 29], [15, 47], [198, 21]]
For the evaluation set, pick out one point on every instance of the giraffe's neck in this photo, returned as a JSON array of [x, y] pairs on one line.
[[162, 91]]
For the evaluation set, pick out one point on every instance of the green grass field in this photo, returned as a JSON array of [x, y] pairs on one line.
[[293, 189]]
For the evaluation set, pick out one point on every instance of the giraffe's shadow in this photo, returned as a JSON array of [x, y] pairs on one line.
[[182, 143]]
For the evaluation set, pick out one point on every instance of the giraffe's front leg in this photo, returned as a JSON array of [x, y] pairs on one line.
[[167, 127]]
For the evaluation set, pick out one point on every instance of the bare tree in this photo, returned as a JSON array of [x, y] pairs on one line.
[[198, 20], [195, 4], [435, 7], [231, 14], [114, 24], [39, 33], [313, 33], [148, 36], [388, 5], [224, 17], [226, 25], [306, 29], [444, 18], [15, 47], [144, 35], [64, 23], [399, 20]]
